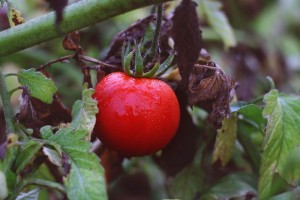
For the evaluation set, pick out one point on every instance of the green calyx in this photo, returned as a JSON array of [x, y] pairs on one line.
[[139, 68]]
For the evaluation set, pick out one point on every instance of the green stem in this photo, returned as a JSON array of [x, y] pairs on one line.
[[8, 112], [13, 90], [272, 84], [76, 16], [39, 182], [45, 183], [153, 49], [256, 100], [10, 74]]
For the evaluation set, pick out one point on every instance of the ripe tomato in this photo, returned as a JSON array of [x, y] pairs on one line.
[[137, 116]]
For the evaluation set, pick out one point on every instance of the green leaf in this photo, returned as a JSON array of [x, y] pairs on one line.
[[3, 188], [39, 85], [236, 106], [46, 132], [251, 141], [219, 22], [291, 163], [7, 163], [84, 112], [27, 154], [233, 186], [85, 180], [187, 183], [253, 114], [291, 195], [281, 138], [10, 156], [54, 156], [31, 195], [86, 177], [225, 142]]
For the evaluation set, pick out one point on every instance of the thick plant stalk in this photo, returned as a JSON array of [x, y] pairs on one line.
[[76, 16]]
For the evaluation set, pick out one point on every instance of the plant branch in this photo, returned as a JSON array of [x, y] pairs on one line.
[[76, 16], [95, 61], [8, 112], [13, 90], [54, 61]]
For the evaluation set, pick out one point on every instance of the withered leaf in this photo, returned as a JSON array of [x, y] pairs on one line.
[[15, 18], [35, 114], [211, 88], [133, 33], [187, 38], [72, 42]]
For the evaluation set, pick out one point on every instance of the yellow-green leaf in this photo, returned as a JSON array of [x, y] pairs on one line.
[[225, 142], [282, 137]]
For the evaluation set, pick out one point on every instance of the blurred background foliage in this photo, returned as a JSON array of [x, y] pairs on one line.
[[249, 39], [266, 34]]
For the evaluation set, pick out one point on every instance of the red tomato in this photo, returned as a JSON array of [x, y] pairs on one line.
[[137, 116]]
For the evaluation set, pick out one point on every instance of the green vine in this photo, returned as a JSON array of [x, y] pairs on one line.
[[78, 15]]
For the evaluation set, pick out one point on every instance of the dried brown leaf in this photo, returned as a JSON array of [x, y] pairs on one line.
[[210, 88], [36, 114], [72, 42], [133, 33]]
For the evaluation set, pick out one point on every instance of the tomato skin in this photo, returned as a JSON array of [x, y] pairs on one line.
[[137, 116]]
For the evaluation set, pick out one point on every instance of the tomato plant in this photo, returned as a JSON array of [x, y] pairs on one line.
[[234, 135], [137, 116]]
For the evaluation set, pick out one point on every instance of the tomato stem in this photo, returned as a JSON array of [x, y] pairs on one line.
[[127, 62], [153, 49], [139, 66], [165, 65], [152, 72], [141, 62]]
